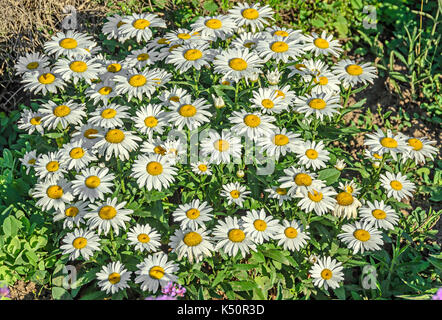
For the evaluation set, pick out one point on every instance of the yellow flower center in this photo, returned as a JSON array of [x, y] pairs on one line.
[[76, 153], [192, 54], [79, 243], [279, 93], [377, 156], [321, 43], [46, 78], [396, 185], [303, 179], [174, 47], [202, 167], [107, 212], [192, 239], [300, 66], [156, 272], [174, 99], [105, 91], [32, 161], [137, 80], [279, 46], [143, 238], [35, 121], [159, 150], [267, 103], [379, 214], [388, 142], [281, 191], [68, 43], [32, 65], [344, 198], [187, 110], [354, 70], [252, 120], [142, 57], [311, 154], [114, 278], [315, 196], [78, 66], [416, 144], [140, 24], [184, 36], [162, 41], [52, 166], [108, 113], [322, 80], [213, 24], [250, 14], [88, 134], [71, 212], [249, 44], [92, 182], [236, 235], [326, 274], [62, 111], [114, 136], [120, 23], [280, 33], [154, 168], [361, 235], [54, 192], [291, 232], [221, 145], [235, 194], [192, 213], [151, 122], [238, 64], [114, 67], [281, 140], [260, 225], [317, 104]]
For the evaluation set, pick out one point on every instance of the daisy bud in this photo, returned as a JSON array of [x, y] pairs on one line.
[[254, 77], [340, 165], [376, 164], [218, 102], [312, 259], [240, 173], [273, 77]]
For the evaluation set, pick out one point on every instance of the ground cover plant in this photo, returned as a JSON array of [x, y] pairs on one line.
[[210, 160]]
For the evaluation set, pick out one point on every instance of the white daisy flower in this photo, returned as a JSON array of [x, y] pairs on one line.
[[155, 271], [299, 180], [113, 277], [68, 113], [421, 148], [312, 155], [116, 142], [397, 185], [340, 164], [183, 36], [321, 201], [50, 166], [286, 95], [30, 121], [230, 237], [194, 244], [237, 63], [350, 187], [291, 235], [253, 16], [214, 27], [153, 172], [379, 214], [80, 242], [78, 68], [247, 40], [279, 143], [87, 134], [281, 194], [157, 43], [201, 168], [141, 58], [29, 159], [253, 125], [144, 238], [259, 226], [268, 100], [275, 31], [72, 215], [77, 156], [111, 28], [175, 95], [135, 84], [192, 55], [102, 91], [298, 68], [93, 183], [69, 44], [53, 194], [221, 147], [137, 26], [279, 48], [327, 273], [350, 73], [108, 214], [393, 144], [43, 80], [322, 44], [346, 205], [109, 116], [319, 105], [114, 68], [31, 62], [234, 193], [191, 114], [361, 236], [193, 215], [150, 119]]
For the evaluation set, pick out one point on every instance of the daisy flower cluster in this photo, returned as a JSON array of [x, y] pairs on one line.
[[114, 146]]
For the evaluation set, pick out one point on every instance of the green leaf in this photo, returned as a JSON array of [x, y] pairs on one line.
[[59, 293], [330, 175], [277, 255], [210, 6], [11, 226], [219, 277], [244, 266], [243, 285], [340, 293]]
